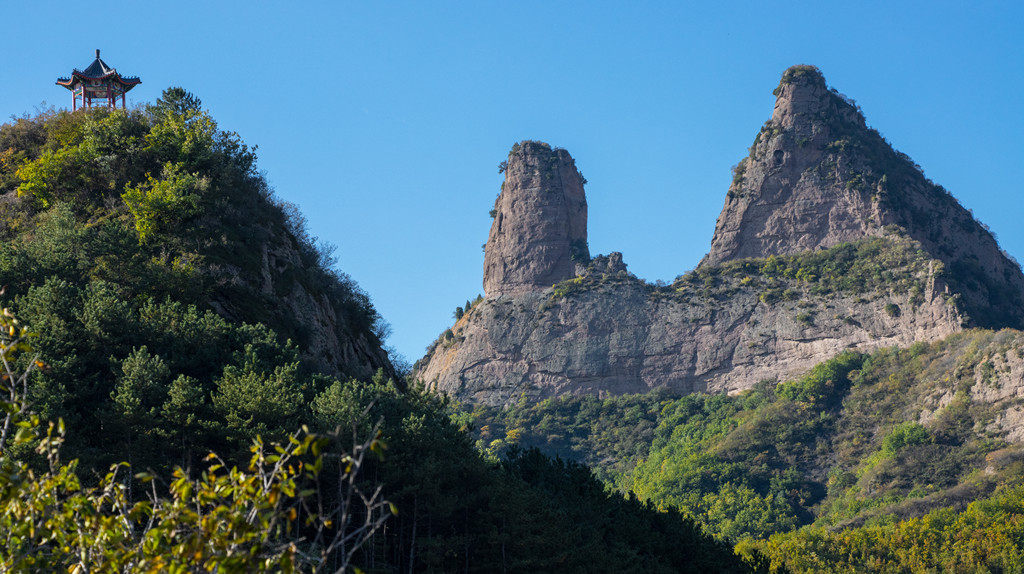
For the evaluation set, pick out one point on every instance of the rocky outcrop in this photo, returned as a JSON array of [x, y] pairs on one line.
[[605, 334], [829, 240], [817, 176], [540, 222], [326, 315], [984, 369], [330, 341]]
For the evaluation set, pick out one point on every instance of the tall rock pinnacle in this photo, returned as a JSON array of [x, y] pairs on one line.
[[817, 176], [540, 222], [787, 197]]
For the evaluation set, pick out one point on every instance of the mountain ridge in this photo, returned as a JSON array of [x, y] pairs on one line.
[[718, 329], [816, 179]]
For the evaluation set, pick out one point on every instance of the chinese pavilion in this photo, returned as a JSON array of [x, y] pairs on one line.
[[99, 84]]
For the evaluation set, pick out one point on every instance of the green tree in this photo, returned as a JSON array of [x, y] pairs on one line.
[[185, 414], [255, 401], [159, 205], [182, 133], [140, 389], [905, 434], [271, 517], [176, 101]]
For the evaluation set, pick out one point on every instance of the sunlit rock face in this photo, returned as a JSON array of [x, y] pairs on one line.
[[616, 334], [817, 176], [816, 181], [540, 222]]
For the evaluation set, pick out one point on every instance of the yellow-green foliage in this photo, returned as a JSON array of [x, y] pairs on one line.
[[86, 156], [821, 382], [159, 204], [223, 520], [568, 287], [986, 537], [190, 134], [226, 520], [852, 419], [891, 264], [44, 178], [705, 460]]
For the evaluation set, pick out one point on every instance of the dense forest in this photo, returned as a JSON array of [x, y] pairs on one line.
[[164, 411], [850, 468]]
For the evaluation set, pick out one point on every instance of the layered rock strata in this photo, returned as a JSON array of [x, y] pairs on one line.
[[607, 334]]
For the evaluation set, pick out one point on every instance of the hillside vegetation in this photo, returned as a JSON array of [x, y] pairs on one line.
[[862, 462], [171, 307], [131, 245], [870, 268]]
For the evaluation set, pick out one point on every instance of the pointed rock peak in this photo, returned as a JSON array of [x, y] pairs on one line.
[[801, 75], [817, 176], [799, 189], [803, 100], [539, 232]]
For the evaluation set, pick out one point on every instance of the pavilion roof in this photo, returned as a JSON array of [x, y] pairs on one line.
[[98, 70]]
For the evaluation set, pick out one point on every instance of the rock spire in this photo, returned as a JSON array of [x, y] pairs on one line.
[[540, 222], [817, 176]]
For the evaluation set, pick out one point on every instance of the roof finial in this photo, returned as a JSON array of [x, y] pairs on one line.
[[97, 53]]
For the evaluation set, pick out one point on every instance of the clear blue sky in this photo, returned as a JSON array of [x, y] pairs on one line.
[[385, 121]]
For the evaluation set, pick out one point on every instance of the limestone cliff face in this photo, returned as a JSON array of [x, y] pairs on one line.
[[608, 334], [540, 222], [779, 201], [829, 240], [817, 176]]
